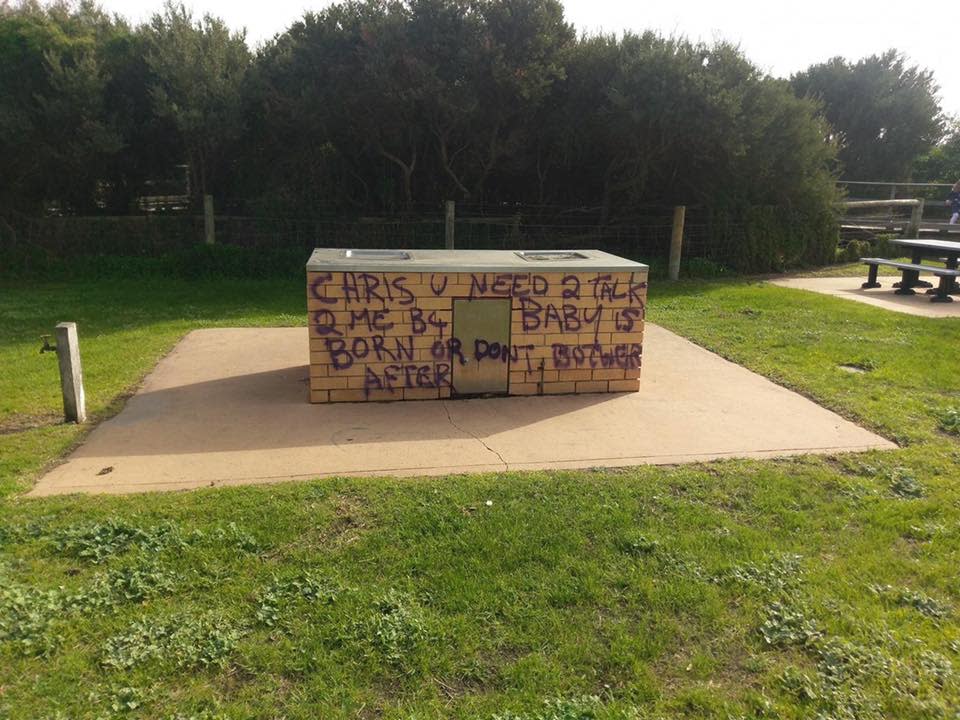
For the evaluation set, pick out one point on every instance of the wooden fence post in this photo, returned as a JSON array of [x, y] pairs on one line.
[[209, 228], [71, 374], [450, 225], [916, 217], [676, 241]]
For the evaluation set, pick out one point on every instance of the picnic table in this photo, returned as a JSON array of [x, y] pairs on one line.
[[910, 277], [920, 249]]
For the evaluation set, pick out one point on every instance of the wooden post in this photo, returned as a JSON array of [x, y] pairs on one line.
[[209, 231], [71, 375], [916, 217], [676, 241], [449, 225]]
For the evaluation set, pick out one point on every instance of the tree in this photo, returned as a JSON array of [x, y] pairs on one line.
[[942, 163], [151, 151], [342, 86], [77, 140], [198, 69], [646, 119], [55, 138], [373, 106], [884, 112], [441, 94], [493, 71]]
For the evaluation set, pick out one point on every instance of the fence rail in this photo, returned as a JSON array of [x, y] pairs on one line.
[[872, 224], [877, 190], [758, 240]]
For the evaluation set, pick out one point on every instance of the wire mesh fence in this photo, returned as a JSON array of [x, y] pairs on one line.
[[644, 236], [754, 240], [155, 234]]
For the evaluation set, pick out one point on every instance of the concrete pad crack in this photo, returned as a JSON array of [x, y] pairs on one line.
[[475, 437]]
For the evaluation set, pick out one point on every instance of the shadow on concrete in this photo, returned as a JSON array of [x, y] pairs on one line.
[[270, 409]]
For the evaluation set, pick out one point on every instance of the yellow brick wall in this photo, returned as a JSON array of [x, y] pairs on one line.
[[383, 336]]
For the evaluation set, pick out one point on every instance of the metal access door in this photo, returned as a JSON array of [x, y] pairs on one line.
[[484, 326]]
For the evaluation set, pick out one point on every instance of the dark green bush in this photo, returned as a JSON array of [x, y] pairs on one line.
[[211, 261], [763, 239], [193, 263], [854, 250], [882, 247], [702, 268]]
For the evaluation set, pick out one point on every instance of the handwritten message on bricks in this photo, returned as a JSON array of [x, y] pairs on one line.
[[382, 336]]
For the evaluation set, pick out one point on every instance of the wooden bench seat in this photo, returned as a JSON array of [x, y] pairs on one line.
[[911, 273]]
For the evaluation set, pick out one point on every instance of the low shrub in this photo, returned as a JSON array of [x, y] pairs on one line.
[[949, 421], [904, 597], [95, 542], [184, 642], [854, 250], [882, 247], [396, 627]]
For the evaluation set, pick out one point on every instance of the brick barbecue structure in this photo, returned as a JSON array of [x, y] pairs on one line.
[[430, 324]]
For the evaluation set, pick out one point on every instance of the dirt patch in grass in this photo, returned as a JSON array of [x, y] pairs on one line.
[[854, 368], [349, 521], [19, 422]]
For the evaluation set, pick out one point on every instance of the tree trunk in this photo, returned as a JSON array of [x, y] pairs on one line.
[[408, 186], [487, 165], [541, 174], [10, 229], [446, 160], [407, 170]]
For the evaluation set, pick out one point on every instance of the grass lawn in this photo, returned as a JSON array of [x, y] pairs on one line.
[[811, 587]]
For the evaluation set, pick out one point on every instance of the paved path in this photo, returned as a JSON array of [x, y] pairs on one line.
[[849, 288], [229, 407]]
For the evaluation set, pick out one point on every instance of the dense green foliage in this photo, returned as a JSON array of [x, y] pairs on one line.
[[884, 113], [198, 70], [499, 101], [55, 134], [389, 107], [807, 587], [94, 113], [942, 163], [375, 106]]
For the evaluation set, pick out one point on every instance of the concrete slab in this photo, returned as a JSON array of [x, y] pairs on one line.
[[849, 289], [229, 407]]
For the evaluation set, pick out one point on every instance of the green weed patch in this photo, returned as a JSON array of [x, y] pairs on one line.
[[179, 641]]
